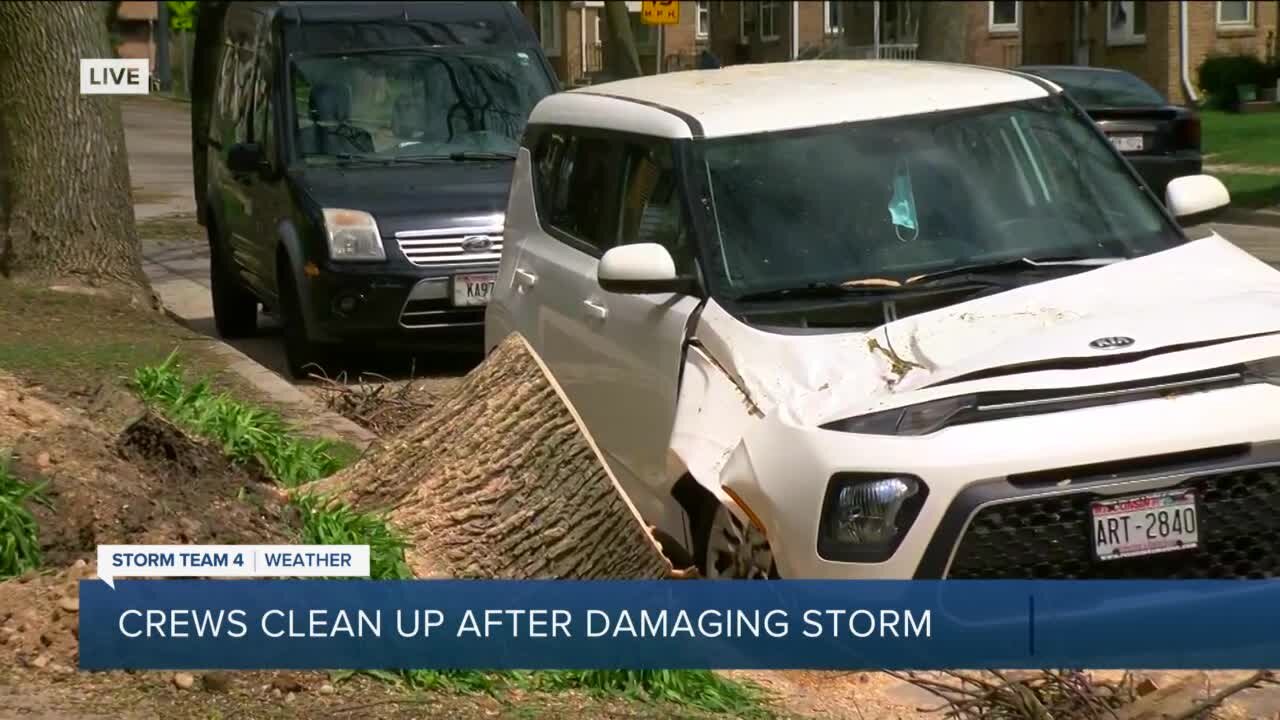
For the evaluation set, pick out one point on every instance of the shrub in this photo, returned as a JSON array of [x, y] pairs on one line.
[[1220, 75]]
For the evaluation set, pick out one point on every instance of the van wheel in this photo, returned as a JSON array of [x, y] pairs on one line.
[[235, 310], [728, 548], [302, 357]]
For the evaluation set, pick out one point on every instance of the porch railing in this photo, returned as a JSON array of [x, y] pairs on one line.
[[890, 51]]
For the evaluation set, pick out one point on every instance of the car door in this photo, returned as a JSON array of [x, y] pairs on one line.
[[617, 357], [239, 190]]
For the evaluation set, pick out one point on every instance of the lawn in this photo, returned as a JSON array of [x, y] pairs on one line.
[[1253, 139]]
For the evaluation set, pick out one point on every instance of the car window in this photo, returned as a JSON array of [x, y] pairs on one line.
[[574, 175], [896, 198], [651, 211], [413, 103], [1111, 88], [263, 130]]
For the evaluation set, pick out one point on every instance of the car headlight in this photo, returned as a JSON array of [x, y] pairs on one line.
[[353, 235], [919, 419], [864, 517]]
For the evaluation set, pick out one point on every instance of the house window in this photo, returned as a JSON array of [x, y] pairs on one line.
[[599, 33], [549, 26], [1004, 15], [704, 18], [831, 17], [1126, 22], [1236, 12], [769, 20], [746, 21]]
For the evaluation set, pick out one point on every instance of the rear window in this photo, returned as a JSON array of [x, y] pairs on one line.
[[1092, 88]]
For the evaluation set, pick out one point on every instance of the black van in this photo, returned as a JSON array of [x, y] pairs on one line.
[[352, 163]]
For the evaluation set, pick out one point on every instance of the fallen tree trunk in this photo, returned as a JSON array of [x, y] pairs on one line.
[[501, 480]]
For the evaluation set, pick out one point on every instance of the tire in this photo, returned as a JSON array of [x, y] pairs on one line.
[[717, 530], [235, 310], [302, 356]]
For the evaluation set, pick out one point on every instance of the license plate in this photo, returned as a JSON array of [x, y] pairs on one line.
[[1145, 524], [1127, 143], [472, 290]]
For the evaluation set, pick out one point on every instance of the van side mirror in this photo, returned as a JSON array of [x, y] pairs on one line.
[[245, 158], [640, 269], [1194, 199]]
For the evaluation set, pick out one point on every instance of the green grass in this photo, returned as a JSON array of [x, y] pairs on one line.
[[247, 432], [19, 534], [1252, 191], [1252, 139]]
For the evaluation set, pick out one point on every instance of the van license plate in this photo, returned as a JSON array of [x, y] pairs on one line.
[[1145, 524], [472, 290], [1127, 143]]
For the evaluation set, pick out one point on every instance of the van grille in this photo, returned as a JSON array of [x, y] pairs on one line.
[[479, 245]]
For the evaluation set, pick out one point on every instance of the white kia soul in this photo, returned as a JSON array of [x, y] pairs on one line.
[[888, 320]]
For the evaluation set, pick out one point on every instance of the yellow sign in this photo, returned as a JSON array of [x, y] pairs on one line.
[[660, 13]]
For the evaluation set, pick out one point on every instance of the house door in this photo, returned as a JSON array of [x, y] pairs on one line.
[[1081, 33]]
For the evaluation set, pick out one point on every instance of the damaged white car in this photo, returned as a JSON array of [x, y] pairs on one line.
[[892, 320]]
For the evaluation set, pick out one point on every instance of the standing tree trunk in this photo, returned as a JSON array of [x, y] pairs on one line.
[[620, 54], [502, 481], [66, 211], [944, 28]]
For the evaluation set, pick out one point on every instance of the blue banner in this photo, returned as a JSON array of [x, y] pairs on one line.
[[799, 624]]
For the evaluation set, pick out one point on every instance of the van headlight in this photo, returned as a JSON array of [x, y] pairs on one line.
[[1266, 370], [864, 517], [353, 235]]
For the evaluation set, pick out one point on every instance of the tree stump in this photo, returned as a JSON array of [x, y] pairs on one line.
[[501, 480]]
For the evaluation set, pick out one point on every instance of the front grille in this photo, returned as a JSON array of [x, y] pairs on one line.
[[1050, 537], [441, 247], [438, 313]]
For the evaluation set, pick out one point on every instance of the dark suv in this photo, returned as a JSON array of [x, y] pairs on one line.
[[352, 166]]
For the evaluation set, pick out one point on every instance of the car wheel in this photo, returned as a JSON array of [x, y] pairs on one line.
[[302, 356], [235, 310], [731, 549]]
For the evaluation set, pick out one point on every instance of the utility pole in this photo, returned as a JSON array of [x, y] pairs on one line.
[[164, 73]]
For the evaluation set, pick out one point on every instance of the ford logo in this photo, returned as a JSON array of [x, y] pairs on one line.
[[476, 243], [1111, 343]]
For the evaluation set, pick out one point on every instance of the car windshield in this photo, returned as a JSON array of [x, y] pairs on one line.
[[1104, 88], [901, 197], [414, 104]]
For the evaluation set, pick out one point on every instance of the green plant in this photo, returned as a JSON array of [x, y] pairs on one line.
[[246, 433], [19, 533], [182, 15], [1221, 75], [700, 689], [332, 523]]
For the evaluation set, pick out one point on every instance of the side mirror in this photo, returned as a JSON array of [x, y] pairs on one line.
[[245, 158], [640, 269], [1194, 198]]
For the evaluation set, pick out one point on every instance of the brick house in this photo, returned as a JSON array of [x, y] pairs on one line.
[[134, 30], [572, 34]]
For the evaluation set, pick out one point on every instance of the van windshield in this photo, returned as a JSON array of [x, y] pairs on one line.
[[895, 199], [413, 103]]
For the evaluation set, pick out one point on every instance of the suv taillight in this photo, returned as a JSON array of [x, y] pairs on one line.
[[1188, 132]]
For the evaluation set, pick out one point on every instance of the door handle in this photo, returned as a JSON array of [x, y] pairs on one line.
[[595, 309], [525, 279]]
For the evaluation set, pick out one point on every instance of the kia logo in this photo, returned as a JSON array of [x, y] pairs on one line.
[[1111, 343], [476, 243]]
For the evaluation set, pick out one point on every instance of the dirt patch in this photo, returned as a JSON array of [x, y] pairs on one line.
[[146, 482]]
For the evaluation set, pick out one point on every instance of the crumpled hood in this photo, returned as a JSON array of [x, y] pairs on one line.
[[1204, 291]]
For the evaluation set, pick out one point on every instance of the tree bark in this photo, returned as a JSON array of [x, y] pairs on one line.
[[621, 55], [943, 34], [66, 211], [502, 481]]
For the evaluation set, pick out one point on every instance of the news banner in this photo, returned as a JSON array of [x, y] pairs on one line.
[[312, 607]]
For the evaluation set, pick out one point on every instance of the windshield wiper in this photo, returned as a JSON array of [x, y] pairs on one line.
[[349, 158], [466, 155], [1013, 265], [872, 291]]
